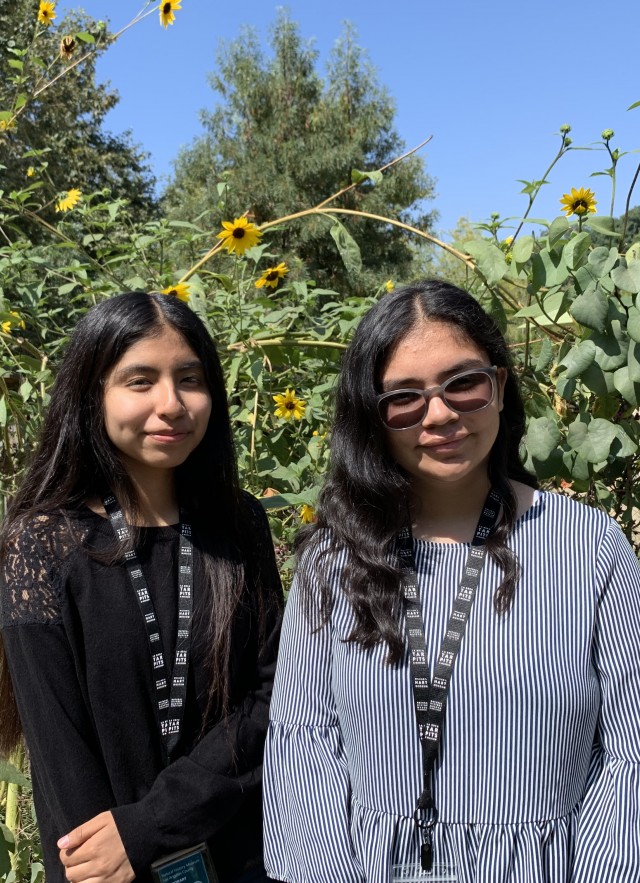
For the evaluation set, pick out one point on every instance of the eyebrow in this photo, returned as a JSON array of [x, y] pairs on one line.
[[131, 370], [416, 383]]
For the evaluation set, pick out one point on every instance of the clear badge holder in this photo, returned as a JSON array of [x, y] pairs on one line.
[[413, 873]]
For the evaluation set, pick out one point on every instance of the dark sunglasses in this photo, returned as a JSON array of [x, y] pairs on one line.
[[463, 393]]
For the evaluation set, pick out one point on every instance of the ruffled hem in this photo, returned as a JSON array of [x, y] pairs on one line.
[[524, 852]]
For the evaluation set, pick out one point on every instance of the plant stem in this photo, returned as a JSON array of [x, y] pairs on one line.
[[12, 811], [533, 196], [626, 208]]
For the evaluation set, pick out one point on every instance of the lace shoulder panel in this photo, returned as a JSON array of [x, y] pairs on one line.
[[34, 557]]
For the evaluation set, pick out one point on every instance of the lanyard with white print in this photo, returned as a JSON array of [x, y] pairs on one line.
[[171, 691], [430, 696]]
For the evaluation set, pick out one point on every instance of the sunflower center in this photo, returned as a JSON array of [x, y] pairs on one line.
[[166, 9], [238, 233], [272, 275], [580, 206], [290, 406]]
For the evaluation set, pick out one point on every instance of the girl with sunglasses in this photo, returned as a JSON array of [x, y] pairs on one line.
[[458, 683], [140, 608]]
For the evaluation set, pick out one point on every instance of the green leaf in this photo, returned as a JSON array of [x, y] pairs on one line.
[[627, 278], [358, 177], [603, 225], [576, 466], [489, 258], [602, 259], [282, 501], [545, 355], [10, 773], [611, 347], [576, 250], [592, 440], [548, 269], [633, 362], [348, 248], [14, 62], [633, 324], [7, 846], [629, 390], [523, 249], [597, 380], [590, 309], [579, 358], [543, 438], [85, 37], [3, 411], [634, 105], [627, 446], [558, 229]]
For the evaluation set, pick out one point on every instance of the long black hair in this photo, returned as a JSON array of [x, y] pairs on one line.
[[75, 462], [364, 499]]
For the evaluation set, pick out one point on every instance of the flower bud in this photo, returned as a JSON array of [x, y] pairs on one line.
[[565, 129], [607, 134]]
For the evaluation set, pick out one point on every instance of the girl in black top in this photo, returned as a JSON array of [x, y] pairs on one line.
[[138, 411]]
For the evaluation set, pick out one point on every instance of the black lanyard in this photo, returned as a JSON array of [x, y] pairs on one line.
[[171, 699], [430, 697]]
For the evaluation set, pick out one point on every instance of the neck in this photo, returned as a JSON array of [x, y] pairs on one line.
[[448, 513], [157, 498]]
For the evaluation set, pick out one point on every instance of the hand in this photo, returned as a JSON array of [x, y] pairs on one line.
[[94, 851]]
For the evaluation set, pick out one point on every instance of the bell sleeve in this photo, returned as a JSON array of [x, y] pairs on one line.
[[307, 790], [608, 843]]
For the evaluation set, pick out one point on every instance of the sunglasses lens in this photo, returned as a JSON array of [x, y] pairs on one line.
[[403, 410], [472, 391]]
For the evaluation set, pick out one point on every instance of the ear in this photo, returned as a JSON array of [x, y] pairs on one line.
[[501, 379]]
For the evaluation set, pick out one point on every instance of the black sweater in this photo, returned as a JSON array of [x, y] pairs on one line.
[[80, 664]]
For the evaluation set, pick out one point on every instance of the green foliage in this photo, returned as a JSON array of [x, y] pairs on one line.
[[283, 139], [58, 135]]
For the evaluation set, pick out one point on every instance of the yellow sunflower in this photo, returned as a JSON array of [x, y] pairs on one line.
[[8, 324], [7, 125], [46, 12], [31, 172], [69, 201], [389, 285], [166, 12], [289, 406], [239, 235], [272, 276], [578, 202], [180, 290], [307, 513]]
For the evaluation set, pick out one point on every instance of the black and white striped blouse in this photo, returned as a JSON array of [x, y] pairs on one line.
[[538, 778]]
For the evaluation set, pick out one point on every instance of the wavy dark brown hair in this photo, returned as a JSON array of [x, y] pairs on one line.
[[364, 500], [75, 462]]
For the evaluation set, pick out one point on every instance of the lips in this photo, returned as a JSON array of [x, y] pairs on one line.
[[168, 437], [448, 443]]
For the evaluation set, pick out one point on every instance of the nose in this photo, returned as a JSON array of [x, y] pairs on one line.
[[169, 401], [438, 412]]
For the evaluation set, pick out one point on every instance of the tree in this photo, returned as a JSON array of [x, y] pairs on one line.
[[283, 140], [59, 137]]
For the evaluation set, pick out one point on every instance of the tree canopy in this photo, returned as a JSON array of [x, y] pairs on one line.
[[283, 139], [60, 136]]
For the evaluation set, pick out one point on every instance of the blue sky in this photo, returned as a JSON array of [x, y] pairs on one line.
[[492, 82]]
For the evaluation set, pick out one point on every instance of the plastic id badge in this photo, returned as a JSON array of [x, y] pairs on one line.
[[187, 866], [413, 873]]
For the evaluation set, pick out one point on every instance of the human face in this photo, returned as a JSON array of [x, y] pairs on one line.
[[156, 403], [446, 447]]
